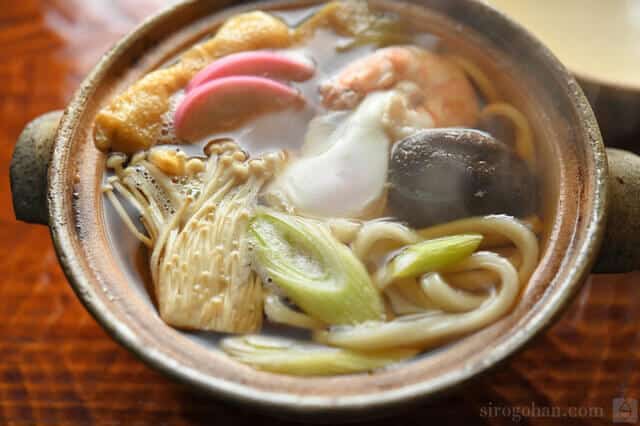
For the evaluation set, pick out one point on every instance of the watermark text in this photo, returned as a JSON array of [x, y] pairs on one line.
[[532, 410]]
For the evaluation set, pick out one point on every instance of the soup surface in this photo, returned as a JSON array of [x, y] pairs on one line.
[[596, 39], [335, 170]]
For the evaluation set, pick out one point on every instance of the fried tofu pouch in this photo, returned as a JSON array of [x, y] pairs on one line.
[[133, 121]]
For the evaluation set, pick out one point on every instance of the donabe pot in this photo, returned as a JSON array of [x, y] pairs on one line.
[[56, 175]]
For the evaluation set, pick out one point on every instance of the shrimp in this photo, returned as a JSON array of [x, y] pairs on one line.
[[438, 92]]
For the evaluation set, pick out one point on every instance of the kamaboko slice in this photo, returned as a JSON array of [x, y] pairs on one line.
[[228, 102], [256, 63]]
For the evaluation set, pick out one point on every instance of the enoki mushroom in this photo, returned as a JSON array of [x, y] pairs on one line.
[[196, 229]]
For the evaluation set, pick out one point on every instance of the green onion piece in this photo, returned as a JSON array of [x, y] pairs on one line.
[[287, 356], [317, 272], [433, 255], [382, 31]]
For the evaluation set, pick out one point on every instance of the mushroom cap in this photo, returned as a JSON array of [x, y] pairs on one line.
[[439, 175]]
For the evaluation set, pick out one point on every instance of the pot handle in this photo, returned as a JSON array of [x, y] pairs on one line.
[[29, 168], [620, 251]]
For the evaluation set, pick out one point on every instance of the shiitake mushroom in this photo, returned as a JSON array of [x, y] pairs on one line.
[[439, 175]]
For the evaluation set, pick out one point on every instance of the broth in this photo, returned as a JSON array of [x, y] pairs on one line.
[[303, 234]]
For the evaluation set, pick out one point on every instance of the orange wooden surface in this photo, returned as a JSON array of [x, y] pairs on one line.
[[57, 366]]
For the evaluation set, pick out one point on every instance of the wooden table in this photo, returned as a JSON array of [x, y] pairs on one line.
[[57, 366]]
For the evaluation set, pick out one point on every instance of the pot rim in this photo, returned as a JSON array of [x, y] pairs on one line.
[[62, 233]]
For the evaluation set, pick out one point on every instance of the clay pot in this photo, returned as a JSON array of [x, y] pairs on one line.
[[591, 211]]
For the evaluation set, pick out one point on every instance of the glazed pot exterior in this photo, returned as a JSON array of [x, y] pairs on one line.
[[73, 211]]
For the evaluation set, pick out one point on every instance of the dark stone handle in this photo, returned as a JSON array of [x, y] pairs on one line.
[[620, 250], [29, 168]]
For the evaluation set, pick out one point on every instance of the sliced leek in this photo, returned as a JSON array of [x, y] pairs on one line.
[[287, 356], [433, 255], [277, 311], [317, 272]]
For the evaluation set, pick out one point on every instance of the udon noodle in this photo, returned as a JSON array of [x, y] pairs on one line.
[[349, 234]]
